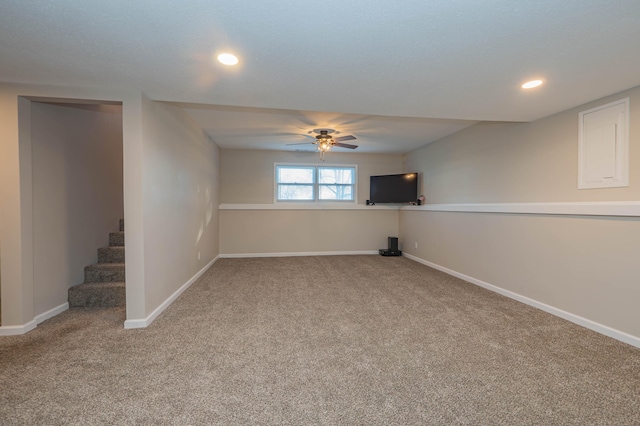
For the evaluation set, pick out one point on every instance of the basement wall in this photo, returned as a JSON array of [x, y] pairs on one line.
[[180, 195], [253, 224], [17, 192], [77, 193], [583, 267]]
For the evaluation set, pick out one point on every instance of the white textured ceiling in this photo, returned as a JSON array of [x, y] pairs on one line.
[[353, 61], [260, 128]]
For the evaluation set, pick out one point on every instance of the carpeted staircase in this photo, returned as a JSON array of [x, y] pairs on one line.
[[104, 281]]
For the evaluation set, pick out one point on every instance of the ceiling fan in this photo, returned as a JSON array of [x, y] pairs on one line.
[[324, 141]]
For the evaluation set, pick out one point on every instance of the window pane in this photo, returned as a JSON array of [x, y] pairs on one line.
[[295, 192], [336, 192], [336, 175], [295, 174]]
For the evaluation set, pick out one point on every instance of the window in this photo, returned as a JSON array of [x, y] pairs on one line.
[[295, 183], [336, 183], [315, 183]]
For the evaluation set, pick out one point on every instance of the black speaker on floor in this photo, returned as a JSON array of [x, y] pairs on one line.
[[392, 249]]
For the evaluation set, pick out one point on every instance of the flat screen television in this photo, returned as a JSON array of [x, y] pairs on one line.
[[401, 188]]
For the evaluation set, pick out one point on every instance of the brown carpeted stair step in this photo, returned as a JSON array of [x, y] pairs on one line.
[[116, 239], [111, 254], [97, 295], [104, 281], [104, 272]]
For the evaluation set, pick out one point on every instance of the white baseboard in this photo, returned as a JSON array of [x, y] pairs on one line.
[[13, 330], [144, 322], [290, 254], [584, 322], [52, 313]]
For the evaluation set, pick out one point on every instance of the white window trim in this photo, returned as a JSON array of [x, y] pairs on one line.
[[316, 186]]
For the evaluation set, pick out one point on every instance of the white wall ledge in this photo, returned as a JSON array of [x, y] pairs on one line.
[[595, 208], [304, 206]]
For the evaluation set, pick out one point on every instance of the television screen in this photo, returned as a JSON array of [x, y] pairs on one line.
[[394, 188]]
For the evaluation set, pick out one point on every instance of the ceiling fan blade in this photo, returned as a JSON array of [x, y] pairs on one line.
[[345, 145], [344, 138], [301, 143]]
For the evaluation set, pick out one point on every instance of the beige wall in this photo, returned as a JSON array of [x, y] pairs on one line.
[[17, 300], [305, 231], [77, 192], [519, 162], [180, 175], [248, 175], [248, 178], [586, 266], [16, 190]]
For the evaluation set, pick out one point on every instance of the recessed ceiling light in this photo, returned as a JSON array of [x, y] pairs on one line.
[[531, 84], [228, 59]]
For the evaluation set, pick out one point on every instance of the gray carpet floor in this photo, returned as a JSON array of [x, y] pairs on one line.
[[353, 340]]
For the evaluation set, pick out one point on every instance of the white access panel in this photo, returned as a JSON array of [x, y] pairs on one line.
[[603, 146]]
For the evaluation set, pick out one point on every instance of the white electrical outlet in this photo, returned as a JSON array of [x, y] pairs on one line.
[[415, 243]]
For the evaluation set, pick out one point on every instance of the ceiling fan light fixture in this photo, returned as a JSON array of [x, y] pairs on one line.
[[324, 145], [324, 142]]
